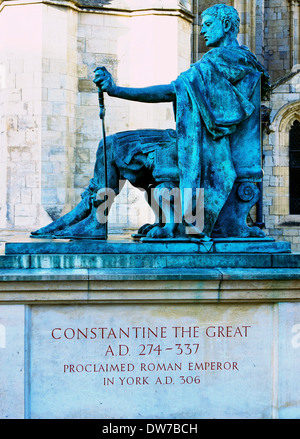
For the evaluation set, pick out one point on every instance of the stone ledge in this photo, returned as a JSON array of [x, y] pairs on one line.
[[150, 274], [117, 245], [139, 261], [34, 286]]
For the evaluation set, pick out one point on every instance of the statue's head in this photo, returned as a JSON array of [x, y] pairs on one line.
[[219, 22]]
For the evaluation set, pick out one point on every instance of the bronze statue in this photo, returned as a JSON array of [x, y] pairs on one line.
[[215, 147]]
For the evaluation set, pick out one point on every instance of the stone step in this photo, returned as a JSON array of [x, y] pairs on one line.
[[14, 261], [149, 261], [27, 245]]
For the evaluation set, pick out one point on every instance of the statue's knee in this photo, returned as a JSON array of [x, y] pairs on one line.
[[108, 142], [108, 148]]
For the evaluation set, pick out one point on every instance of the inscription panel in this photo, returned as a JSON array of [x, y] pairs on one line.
[[151, 361]]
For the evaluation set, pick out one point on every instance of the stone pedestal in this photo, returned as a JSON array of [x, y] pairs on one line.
[[179, 335]]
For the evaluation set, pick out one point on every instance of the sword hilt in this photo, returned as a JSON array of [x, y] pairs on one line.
[[101, 95], [101, 104]]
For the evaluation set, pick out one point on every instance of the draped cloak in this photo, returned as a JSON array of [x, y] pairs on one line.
[[212, 98]]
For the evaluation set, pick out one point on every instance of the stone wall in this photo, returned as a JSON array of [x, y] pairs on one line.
[[59, 87], [281, 58], [21, 118], [277, 37], [50, 127], [284, 102]]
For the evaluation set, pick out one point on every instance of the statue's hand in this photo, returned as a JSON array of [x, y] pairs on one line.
[[104, 80]]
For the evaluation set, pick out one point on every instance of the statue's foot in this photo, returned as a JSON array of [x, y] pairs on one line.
[[256, 232], [146, 228], [81, 211], [89, 228], [199, 236], [167, 231]]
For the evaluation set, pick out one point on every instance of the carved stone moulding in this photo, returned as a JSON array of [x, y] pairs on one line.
[[171, 7]]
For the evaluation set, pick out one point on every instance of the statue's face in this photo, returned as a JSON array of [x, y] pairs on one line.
[[212, 31]]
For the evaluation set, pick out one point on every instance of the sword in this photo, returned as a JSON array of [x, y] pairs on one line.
[[102, 118]]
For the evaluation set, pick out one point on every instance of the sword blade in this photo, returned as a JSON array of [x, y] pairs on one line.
[[102, 117]]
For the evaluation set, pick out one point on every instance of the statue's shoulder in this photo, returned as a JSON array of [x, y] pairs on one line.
[[232, 56], [224, 55], [211, 54]]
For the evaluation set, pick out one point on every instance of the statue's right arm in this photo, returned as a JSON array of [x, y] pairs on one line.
[[155, 93]]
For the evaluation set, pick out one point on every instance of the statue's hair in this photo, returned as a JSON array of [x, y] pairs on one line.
[[224, 12]]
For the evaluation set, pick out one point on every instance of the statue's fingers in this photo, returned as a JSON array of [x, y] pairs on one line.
[[98, 79], [97, 82], [101, 70], [100, 74], [105, 84]]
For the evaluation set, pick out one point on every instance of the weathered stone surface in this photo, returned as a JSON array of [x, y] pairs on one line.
[[44, 246], [14, 261], [123, 246], [288, 261], [13, 361], [253, 247], [269, 284]]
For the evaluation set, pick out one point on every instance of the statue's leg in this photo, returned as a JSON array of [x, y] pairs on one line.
[[80, 212], [132, 160], [167, 200], [155, 170], [93, 225], [84, 207], [120, 152]]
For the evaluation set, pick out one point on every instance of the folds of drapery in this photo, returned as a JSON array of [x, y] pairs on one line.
[[212, 98]]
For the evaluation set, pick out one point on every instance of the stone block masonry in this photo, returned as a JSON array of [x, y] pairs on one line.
[[49, 123]]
